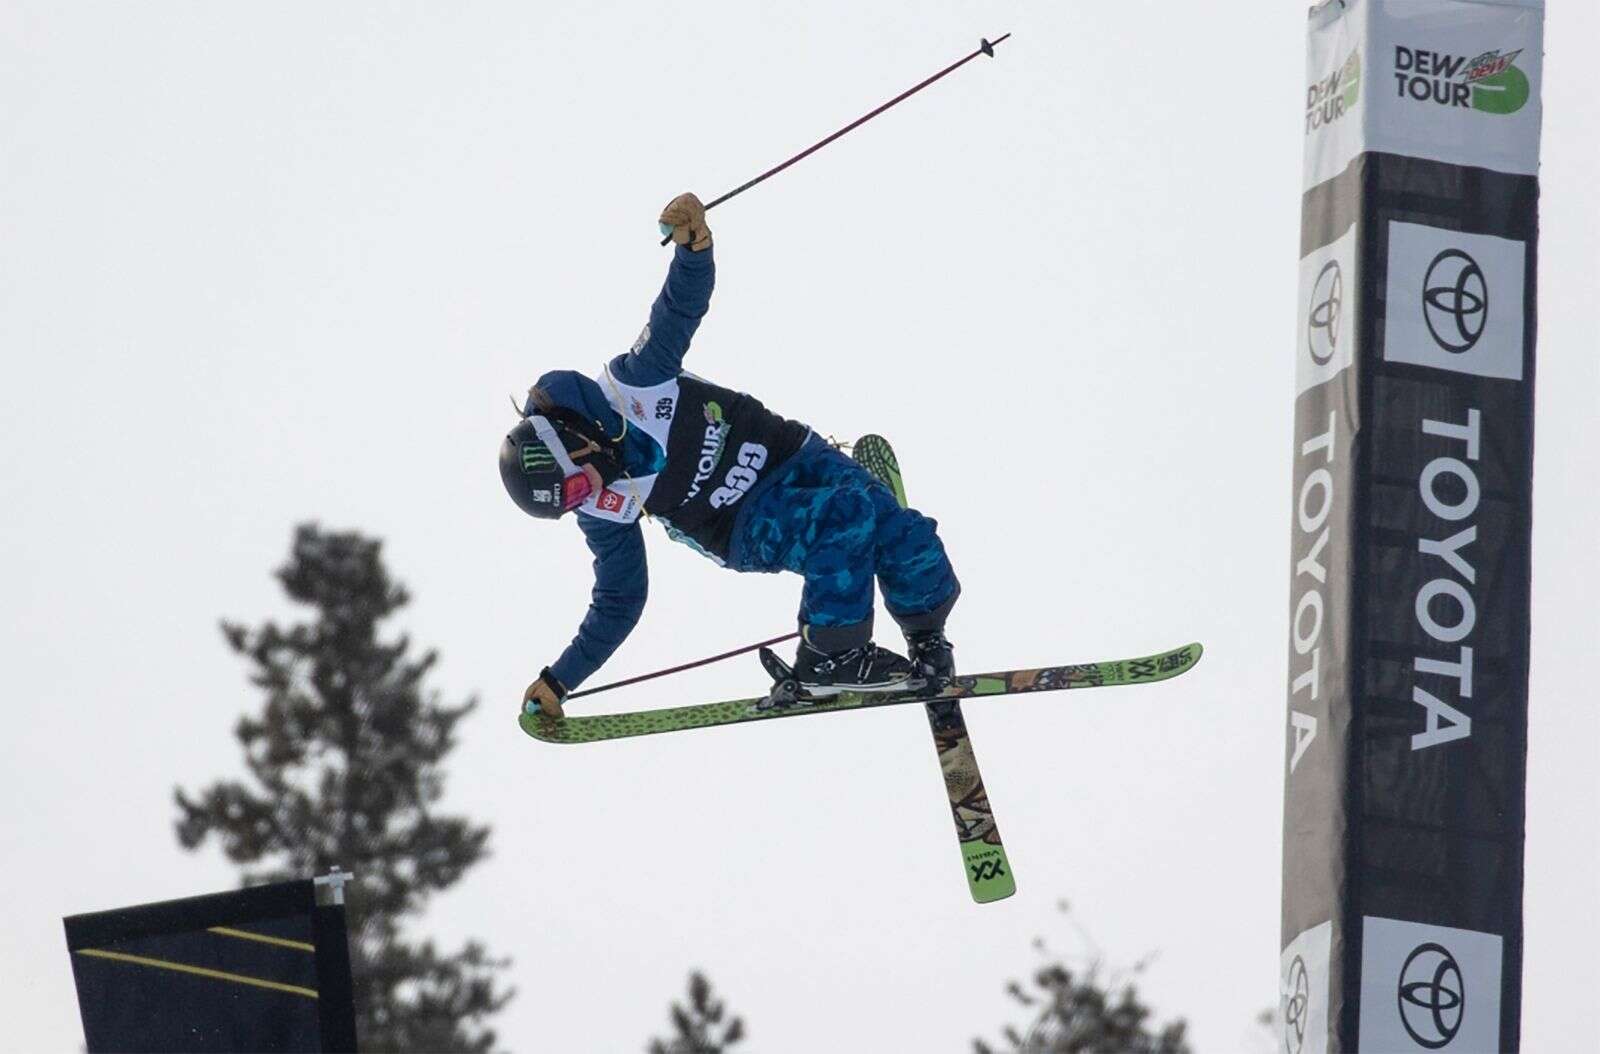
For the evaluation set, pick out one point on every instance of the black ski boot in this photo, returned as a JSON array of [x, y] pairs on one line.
[[931, 654], [934, 661], [867, 668]]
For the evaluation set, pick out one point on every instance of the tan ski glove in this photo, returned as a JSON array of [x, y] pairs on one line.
[[546, 693], [684, 219]]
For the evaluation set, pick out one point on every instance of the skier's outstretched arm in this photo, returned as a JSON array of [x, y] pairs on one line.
[[620, 587], [682, 303]]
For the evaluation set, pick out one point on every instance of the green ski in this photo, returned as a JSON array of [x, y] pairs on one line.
[[594, 728], [989, 876]]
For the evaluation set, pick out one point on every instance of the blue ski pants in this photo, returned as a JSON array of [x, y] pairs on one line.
[[827, 518]]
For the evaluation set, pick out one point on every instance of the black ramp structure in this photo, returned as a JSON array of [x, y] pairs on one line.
[[259, 969], [1405, 761]]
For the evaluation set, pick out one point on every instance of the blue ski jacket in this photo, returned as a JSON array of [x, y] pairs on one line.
[[620, 575]]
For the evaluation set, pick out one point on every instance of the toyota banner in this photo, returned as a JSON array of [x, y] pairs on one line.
[[1411, 515]]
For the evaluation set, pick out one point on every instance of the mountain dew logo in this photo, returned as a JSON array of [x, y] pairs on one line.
[[1335, 95], [536, 457], [1498, 86], [1350, 80], [713, 413]]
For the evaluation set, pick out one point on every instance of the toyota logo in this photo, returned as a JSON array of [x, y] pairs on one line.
[[1455, 301], [1296, 1003], [1322, 319], [1432, 995]]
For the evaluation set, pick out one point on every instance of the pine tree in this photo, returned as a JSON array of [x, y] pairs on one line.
[[344, 761], [1077, 1015], [699, 1025], [1081, 1014]]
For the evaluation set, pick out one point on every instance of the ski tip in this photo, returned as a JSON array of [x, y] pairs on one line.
[[1188, 657], [989, 875], [1162, 666], [990, 896], [547, 729], [530, 724]]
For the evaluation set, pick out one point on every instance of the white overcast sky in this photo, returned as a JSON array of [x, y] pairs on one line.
[[267, 263]]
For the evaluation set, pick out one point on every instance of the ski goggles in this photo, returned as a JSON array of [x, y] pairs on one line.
[[576, 487], [575, 490]]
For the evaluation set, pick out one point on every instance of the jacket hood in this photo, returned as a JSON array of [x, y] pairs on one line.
[[574, 391]]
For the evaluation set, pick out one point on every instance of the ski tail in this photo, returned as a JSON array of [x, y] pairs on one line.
[[982, 853]]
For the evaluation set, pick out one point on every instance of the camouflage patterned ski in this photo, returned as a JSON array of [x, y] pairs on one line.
[[597, 727], [989, 876]]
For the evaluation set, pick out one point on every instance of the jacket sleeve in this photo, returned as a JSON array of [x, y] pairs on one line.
[[620, 586], [674, 317]]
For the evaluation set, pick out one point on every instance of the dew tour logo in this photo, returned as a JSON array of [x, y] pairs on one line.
[[1335, 95], [1455, 301], [711, 447], [1322, 316], [1490, 82], [1296, 1006], [1432, 995]]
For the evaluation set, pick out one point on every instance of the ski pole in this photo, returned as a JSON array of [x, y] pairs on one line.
[[680, 669], [985, 47]]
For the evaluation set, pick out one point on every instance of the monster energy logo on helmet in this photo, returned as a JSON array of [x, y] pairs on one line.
[[536, 456], [532, 470]]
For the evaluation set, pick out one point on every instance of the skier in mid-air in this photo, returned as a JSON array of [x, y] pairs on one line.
[[728, 477]]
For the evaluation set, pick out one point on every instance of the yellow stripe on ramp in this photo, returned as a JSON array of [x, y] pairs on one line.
[[281, 942], [200, 971]]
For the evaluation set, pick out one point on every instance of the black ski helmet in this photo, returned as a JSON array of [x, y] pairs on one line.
[[538, 459]]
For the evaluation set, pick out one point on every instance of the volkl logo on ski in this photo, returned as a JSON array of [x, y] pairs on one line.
[[987, 870]]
